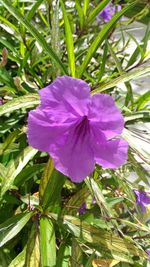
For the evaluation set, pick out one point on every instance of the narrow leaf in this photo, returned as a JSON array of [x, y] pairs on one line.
[[121, 248], [85, 6], [16, 166], [97, 10], [13, 226], [26, 101], [63, 255], [133, 74], [33, 248], [47, 243], [80, 13], [100, 37], [19, 260], [50, 186], [40, 39], [34, 9], [69, 41]]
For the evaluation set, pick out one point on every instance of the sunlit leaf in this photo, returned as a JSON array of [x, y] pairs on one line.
[[104, 263], [33, 249], [38, 36], [15, 167], [13, 226], [47, 242], [26, 101], [69, 41]]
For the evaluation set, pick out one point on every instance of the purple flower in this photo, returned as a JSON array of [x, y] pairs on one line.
[[148, 252], [76, 129], [142, 199], [1, 101], [107, 13], [82, 209]]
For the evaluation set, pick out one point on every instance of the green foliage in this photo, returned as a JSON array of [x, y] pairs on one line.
[[40, 223]]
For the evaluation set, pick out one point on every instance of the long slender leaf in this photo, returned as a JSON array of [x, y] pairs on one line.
[[97, 10], [34, 32], [33, 248], [13, 226], [143, 100], [134, 74], [69, 41], [34, 9], [63, 256], [120, 248], [100, 37], [16, 166], [50, 186], [19, 260], [85, 6], [80, 13], [47, 243], [20, 102]]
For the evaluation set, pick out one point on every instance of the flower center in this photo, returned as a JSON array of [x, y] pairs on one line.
[[81, 130]]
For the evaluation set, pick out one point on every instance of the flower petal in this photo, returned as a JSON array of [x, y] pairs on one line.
[[42, 134], [105, 115], [66, 98], [111, 154], [75, 158]]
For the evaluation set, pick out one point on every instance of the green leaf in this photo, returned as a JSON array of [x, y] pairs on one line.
[[13, 226], [100, 37], [96, 192], [6, 79], [3, 170], [4, 258], [26, 101], [76, 201], [19, 260], [55, 37], [69, 41], [40, 39], [85, 6], [97, 10], [91, 258], [27, 173], [139, 115], [76, 254], [51, 184], [80, 13], [101, 240], [47, 243], [10, 139], [133, 74], [142, 100], [129, 95], [33, 248], [63, 255], [33, 10], [135, 144], [102, 67], [15, 167]]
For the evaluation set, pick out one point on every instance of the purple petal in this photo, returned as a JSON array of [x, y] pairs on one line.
[[105, 115], [75, 158], [66, 98], [82, 209], [107, 13], [42, 133], [142, 199], [111, 154], [148, 252], [1, 101]]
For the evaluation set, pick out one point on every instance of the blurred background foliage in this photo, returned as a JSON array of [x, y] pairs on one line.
[[41, 223]]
